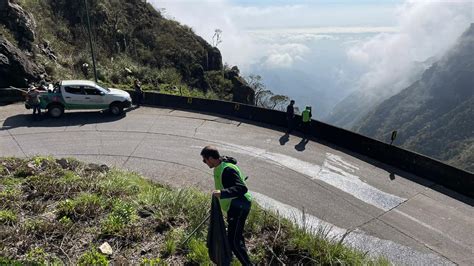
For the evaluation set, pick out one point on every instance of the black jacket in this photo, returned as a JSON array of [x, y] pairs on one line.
[[234, 187], [290, 111]]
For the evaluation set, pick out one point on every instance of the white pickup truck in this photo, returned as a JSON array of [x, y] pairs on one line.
[[83, 94]]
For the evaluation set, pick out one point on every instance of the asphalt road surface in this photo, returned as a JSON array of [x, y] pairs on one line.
[[381, 209]]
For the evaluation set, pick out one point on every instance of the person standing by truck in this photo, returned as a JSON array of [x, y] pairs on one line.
[[33, 100], [138, 92]]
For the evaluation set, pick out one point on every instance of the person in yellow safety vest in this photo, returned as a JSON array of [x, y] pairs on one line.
[[306, 117], [234, 198]]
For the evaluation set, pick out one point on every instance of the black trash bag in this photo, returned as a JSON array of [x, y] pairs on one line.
[[217, 243]]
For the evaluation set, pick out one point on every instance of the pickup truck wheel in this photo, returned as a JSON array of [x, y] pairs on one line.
[[55, 110], [116, 109]]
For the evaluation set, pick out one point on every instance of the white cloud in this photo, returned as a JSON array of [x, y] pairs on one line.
[[426, 29], [281, 24], [307, 37], [279, 35], [254, 11], [284, 55]]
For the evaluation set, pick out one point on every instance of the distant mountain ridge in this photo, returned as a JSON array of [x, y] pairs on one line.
[[353, 108], [435, 115]]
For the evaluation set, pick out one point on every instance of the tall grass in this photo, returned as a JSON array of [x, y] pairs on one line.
[[67, 209]]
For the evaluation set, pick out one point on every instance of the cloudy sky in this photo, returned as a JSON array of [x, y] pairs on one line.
[[241, 20], [350, 44]]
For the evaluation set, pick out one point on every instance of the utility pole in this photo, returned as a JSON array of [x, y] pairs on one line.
[[90, 39]]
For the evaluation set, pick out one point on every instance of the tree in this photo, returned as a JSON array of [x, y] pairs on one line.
[[255, 82], [217, 38], [278, 102], [264, 97]]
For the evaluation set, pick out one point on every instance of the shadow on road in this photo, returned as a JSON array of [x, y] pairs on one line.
[[392, 176], [302, 145], [68, 119], [284, 139]]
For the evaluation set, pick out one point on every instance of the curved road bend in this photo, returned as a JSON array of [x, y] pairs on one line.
[[384, 210]]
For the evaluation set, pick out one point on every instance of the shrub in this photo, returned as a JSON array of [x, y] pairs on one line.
[[8, 197], [172, 239], [23, 171], [7, 217], [152, 262], [123, 213], [218, 83], [40, 228], [93, 257], [66, 221], [65, 185], [198, 252], [36, 256], [7, 34], [84, 207], [117, 184], [170, 76], [169, 247], [11, 262]]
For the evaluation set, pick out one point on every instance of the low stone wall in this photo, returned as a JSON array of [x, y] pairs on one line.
[[8, 95]]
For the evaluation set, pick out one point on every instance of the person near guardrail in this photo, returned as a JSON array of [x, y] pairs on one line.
[[137, 85], [33, 100], [290, 116], [306, 119], [234, 197]]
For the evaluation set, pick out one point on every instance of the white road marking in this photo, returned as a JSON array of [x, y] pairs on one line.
[[338, 160], [329, 172], [358, 239]]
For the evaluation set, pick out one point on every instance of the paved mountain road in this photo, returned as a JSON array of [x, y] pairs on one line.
[[387, 211]]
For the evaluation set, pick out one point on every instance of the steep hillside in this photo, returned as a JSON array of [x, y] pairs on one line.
[[435, 115], [131, 40], [353, 108]]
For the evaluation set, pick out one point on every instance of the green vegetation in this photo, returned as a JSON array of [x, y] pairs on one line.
[[83, 207], [5, 32], [152, 262], [93, 257], [7, 217], [198, 252], [131, 40], [60, 211]]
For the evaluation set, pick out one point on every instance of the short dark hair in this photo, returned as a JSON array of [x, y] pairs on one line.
[[210, 151]]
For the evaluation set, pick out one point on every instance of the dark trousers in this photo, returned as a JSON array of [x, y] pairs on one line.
[[306, 129], [138, 98], [36, 110], [291, 124], [236, 218]]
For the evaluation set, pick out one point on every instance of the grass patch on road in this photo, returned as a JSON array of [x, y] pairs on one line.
[[60, 211]]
